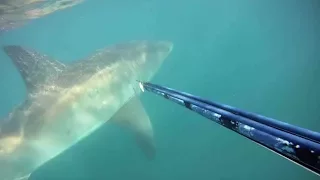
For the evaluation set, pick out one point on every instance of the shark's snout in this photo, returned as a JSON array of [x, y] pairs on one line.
[[151, 57], [164, 47], [158, 52]]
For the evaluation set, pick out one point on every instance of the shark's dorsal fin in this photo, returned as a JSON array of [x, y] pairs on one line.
[[36, 69]]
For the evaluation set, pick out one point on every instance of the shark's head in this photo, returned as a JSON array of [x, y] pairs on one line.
[[144, 57]]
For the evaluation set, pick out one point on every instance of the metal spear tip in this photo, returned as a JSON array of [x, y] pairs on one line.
[[141, 85]]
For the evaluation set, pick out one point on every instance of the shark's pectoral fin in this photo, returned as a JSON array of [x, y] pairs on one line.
[[133, 116], [26, 177]]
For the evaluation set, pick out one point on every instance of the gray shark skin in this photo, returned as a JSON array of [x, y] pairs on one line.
[[66, 102]]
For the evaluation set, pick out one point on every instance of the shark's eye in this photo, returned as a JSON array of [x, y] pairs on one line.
[[65, 3]]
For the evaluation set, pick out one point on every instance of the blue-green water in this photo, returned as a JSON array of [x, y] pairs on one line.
[[262, 56]]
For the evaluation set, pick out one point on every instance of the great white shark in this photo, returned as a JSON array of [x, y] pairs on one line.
[[66, 102]]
